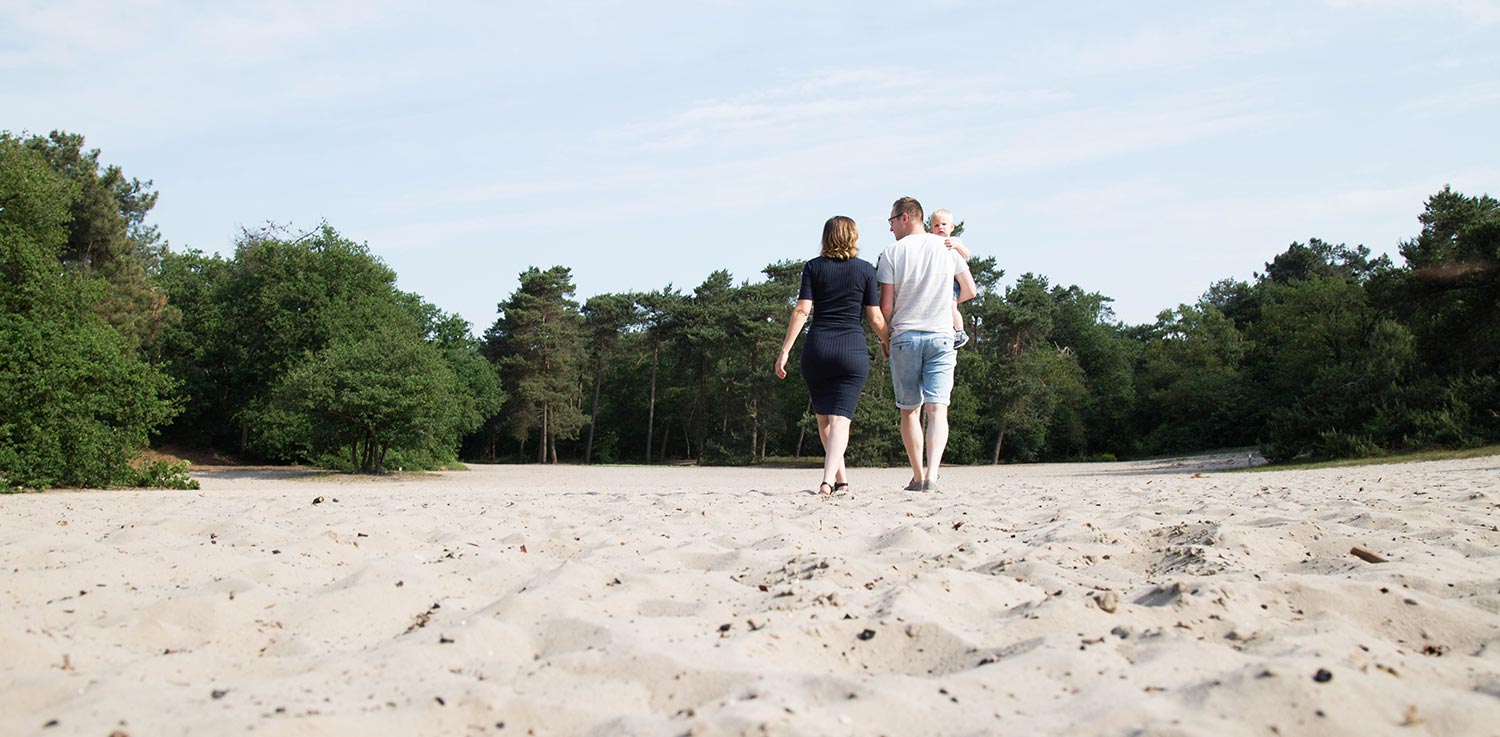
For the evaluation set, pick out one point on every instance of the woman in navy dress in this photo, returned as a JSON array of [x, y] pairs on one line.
[[837, 289]]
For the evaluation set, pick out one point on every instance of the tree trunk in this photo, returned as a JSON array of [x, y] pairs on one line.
[[995, 459], [651, 408], [802, 432], [754, 429], [367, 459], [541, 448], [588, 448], [666, 436]]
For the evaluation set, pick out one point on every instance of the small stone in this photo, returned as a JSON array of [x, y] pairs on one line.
[[1109, 601], [866, 635], [1411, 719], [1322, 676]]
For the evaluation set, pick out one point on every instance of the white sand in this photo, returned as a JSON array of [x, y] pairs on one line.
[[635, 601]]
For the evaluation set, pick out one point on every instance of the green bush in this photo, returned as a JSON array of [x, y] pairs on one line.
[[75, 401], [162, 475], [715, 454], [1337, 444]]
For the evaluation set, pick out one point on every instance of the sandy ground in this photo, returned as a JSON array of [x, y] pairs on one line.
[[1163, 598]]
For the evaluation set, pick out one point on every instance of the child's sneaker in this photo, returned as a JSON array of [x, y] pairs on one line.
[[960, 338]]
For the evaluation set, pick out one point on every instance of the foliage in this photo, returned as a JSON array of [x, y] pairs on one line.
[[75, 401], [1329, 351], [1450, 292], [535, 343], [368, 394], [108, 238], [1191, 374], [162, 475], [299, 347], [1324, 360]]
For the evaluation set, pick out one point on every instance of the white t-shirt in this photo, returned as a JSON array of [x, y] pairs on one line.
[[922, 269]]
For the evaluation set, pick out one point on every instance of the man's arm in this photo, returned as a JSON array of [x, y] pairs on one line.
[[888, 300]]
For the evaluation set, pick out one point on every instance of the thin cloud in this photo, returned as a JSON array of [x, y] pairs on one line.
[[1462, 99], [1165, 48], [1076, 136], [1479, 11], [836, 103]]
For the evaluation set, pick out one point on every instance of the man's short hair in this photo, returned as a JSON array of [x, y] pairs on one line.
[[909, 207]]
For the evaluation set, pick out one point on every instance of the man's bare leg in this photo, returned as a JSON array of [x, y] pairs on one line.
[[911, 437], [937, 437]]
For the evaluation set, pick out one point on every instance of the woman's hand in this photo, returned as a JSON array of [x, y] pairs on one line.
[[781, 365]]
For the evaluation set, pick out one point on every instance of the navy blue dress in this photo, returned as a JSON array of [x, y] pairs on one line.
[[836, 358]]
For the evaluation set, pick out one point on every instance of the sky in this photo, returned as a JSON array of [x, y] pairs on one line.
[[1139, 150]]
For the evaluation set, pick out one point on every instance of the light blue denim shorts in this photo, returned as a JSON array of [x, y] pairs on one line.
[[922, 368]]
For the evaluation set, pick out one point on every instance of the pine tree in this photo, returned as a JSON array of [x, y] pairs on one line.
[[537, 343]]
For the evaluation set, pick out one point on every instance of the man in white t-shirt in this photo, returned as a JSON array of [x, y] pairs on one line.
[[916, 275]]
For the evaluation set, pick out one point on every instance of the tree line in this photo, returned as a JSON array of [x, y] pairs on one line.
[[299, 348]]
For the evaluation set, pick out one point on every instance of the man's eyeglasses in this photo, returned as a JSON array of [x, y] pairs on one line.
[[892, 218]]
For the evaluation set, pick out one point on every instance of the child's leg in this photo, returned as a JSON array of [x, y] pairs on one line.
[[958, 318]]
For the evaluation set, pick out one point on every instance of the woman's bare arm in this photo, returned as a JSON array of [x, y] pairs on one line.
[[800, 313]]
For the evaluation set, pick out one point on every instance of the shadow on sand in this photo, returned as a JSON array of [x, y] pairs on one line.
[[263, 473], [1186, 464]]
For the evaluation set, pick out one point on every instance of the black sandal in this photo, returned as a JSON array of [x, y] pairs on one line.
[[830, 488], [839, 486]]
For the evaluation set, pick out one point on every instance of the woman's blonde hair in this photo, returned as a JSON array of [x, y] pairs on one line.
[[840, 238]]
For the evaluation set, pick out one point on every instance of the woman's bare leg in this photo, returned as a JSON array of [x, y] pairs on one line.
[[835, 442]]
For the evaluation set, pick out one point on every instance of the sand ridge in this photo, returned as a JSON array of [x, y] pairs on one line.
[[1151, 598]]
